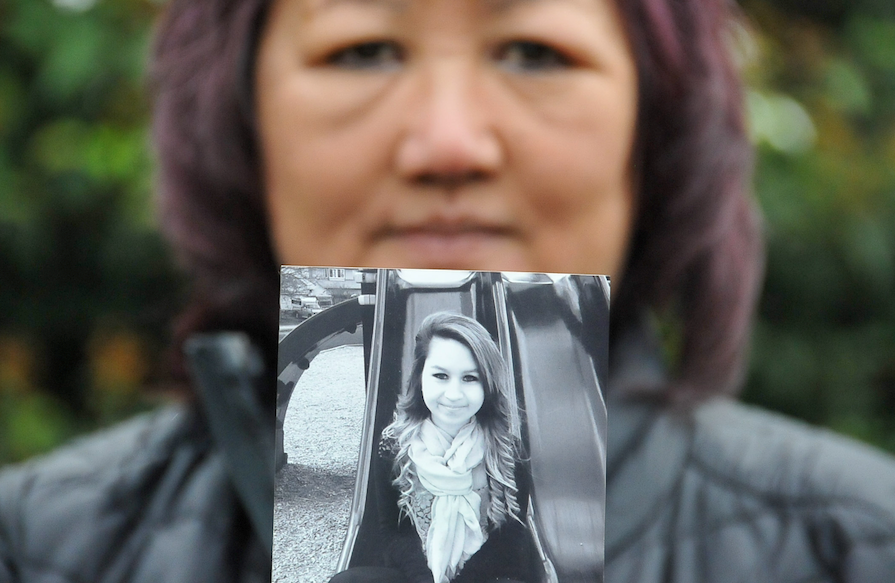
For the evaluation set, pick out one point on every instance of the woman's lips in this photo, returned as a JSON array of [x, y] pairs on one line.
[[437, 245]]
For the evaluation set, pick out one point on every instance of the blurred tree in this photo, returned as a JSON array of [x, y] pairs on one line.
[[80, 260], [822, 112]]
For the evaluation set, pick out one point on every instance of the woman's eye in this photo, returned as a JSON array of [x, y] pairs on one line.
[[440, 376], [531, 56], [470, 378], [368, 55]]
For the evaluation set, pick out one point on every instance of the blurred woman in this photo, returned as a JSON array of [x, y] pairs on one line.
[[546, 135]]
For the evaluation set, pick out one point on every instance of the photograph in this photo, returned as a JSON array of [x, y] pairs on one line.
[[440, 425]]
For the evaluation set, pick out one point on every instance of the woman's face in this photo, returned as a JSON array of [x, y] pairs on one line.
[[467, 134], [452, 385]]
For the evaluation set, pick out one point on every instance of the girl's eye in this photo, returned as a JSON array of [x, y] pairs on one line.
[[470, 378], [440, 376], [531, 56], [368, 55]]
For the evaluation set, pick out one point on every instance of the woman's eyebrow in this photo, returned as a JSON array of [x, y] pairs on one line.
[[393, 5], [402, 5], [505, 5]]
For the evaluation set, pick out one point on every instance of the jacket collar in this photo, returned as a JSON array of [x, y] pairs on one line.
[[648, 444], [227, 370]]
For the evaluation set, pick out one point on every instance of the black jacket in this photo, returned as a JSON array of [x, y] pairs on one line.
[[145, 502], [722, 493]]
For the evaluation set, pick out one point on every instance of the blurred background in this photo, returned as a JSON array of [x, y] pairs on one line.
[[88, 289]]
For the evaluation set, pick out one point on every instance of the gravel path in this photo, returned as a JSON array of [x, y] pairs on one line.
[[313, 491]]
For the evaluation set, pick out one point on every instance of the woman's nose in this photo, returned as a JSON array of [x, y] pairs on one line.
[[450, 136]]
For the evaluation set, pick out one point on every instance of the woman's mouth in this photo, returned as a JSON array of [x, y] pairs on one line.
[[451, 246], [449, 240]]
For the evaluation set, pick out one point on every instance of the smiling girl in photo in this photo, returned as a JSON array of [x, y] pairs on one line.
[[447, 479]]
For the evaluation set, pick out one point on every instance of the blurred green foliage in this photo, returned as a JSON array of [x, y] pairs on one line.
[[87, 289], [822, 113], [86, 286]]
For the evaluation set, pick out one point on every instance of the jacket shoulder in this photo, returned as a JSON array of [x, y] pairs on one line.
[[65, 512], [726, 493], [92, 458], [779, 458], [810, 501]]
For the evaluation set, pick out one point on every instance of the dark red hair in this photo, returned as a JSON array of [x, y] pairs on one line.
[[695, 255]]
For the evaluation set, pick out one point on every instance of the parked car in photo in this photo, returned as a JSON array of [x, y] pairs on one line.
[[306, 306], [301, 307]]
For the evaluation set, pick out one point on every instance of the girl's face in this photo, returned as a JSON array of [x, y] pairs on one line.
[[467, 134], [452, 385]]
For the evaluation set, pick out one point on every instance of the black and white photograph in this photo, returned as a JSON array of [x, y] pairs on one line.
[[443, 426]]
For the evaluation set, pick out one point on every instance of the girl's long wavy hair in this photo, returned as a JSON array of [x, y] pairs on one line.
[[501, 446]]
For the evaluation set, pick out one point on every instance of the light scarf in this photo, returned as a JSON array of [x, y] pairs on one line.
[[444, 468]]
